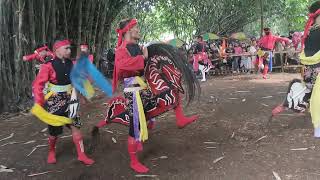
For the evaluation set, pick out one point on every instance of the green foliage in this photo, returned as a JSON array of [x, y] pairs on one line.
[[186, 18]]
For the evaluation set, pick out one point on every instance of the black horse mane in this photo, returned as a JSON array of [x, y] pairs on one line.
[[192, 89]]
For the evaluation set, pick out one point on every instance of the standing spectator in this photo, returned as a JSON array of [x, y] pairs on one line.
[[215, 55], [253, 58], [230, 59], [237, 59], [244, 65]]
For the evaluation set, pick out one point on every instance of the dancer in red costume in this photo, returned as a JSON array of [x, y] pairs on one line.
[[201, 59], [84, 48], [267, 43], [152, 86], [62, 99]]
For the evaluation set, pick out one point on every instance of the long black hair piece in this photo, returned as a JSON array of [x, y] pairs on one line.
[[179, 59]]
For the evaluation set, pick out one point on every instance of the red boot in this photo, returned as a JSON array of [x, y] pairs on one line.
[[181, 119], [277, 110], [77, 140], [139, 146], [134, 162], [52, 150], [265, 71]]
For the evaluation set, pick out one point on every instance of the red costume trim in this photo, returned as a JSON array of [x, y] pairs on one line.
[[312, 17], [46, 74], [84, 46], [125, 65], [60, 44], [120, 32], [268, 41]]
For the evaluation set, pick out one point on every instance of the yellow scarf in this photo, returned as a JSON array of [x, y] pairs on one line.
[[48, 118], [312, 60], [315, 103]]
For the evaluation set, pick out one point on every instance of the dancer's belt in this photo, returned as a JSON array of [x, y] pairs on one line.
[[43, 115], [59, 88], [135, 84], [132, 89], [52, 89], [266, 49]]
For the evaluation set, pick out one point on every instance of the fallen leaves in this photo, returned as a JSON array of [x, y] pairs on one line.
[[35, 148], [37, 174], [276, 175], [210, 142], [299, 149], [29, 142], [212, 147], [303, 149], [161, 157], [114, 140], [260, 139], [242, 91], [218, 159], [9, 143], [11, 135], [267, 97], [5, 169]]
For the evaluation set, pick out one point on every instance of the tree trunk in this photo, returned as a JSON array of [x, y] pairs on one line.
[[54, 23], [90, 22], [18, 49], [79, 22], [32, 33], [43, 21], [102, 32], [65, 19], [261, 18], [48, 13]]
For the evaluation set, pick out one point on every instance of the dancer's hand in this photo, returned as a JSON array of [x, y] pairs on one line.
[[74, 104], [73, 108], [145, 52]]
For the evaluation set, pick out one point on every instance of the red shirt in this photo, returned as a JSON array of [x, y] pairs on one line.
[[268, 41], [126, 65], [237, 50]]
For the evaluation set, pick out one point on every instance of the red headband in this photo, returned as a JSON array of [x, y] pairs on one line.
[[60, 44], [312, 17], [84, 46], [120, 32]]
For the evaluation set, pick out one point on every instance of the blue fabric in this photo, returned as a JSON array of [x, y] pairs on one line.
[[84, 70], [270, 61]]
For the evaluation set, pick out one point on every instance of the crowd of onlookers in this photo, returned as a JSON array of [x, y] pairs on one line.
[[241, 56]]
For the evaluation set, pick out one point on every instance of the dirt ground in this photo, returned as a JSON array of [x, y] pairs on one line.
[[232, 140]]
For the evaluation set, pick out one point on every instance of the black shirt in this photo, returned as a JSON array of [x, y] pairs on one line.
[[134, 49], [312, 45], [200, 47], [62, 70]]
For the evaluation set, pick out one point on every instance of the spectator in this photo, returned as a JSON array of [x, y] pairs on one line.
[[244, 66], [237, 59], [229, 50], [253, 57]]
